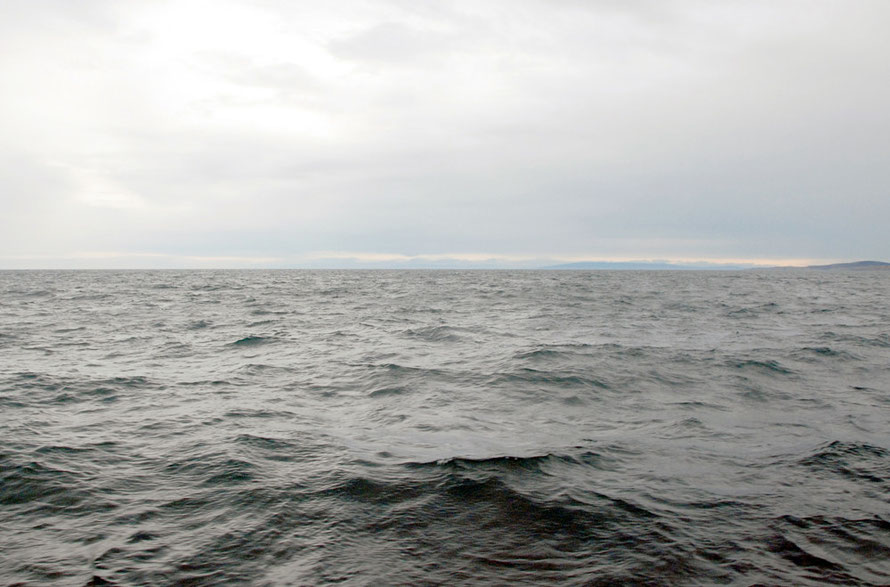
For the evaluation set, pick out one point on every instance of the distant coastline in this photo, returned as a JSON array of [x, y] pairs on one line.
[[490, 264], [644, 266], [854, 266], [665, 266]]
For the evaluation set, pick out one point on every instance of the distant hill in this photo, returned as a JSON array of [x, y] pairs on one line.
[[856, 266]]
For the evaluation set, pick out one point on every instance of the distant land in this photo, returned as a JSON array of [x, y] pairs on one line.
[[642, 265], [855, 266], [645, 265]]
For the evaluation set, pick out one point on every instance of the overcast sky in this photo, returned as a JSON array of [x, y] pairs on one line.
[[284, 133]]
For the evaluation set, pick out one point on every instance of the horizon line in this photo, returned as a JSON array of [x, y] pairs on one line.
[[113, 260]]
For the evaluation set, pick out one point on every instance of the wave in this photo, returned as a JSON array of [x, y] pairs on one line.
[[818, 353], [852, 460], [254, 341], [258, 413], [35, 488], [537, 378], [388, 391], [834, 549], [769, 366], [568, 351], [881, 340], [46, 389], [435, 333]]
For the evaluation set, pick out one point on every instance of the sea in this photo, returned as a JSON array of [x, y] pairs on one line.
[[444, 427]]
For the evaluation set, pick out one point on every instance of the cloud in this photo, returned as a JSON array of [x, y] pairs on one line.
[[392, 43], [676, 129]]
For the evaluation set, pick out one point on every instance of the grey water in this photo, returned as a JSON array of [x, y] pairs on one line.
[[444, 428]]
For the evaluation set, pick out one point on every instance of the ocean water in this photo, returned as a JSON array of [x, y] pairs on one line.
[[444, 428]]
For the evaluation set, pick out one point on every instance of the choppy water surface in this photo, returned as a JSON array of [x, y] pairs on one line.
[[313, 427]]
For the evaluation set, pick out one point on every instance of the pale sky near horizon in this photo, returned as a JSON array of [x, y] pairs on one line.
[[243, 133]]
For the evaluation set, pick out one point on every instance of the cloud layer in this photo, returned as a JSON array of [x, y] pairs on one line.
[[260, 132]]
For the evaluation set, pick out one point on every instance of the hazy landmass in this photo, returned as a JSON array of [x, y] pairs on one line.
[[852, 266], [664, 265], [855, 266], [644, 265], [551, 264]]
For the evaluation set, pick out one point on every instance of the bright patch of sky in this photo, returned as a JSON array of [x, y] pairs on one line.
[[248, 133]]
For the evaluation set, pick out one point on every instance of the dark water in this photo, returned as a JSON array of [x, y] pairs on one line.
[[386, 428]]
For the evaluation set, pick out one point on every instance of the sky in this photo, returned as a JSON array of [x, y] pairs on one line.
[[267, 133]]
